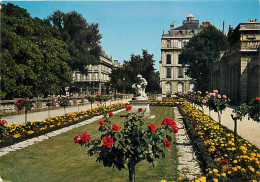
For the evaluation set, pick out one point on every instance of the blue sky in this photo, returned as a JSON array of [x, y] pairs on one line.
[[127, 27]]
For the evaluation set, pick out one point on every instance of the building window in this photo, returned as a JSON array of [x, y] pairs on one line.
[[168, 43], [180, 87], [181, 72], [168, 88], [78, 76], [168, 73], [180, 43], [169, 59]]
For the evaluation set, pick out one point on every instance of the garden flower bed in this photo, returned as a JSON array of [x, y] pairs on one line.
[[222, 159], [13, 133]]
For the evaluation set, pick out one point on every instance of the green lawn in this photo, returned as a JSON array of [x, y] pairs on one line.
[[59, 159]]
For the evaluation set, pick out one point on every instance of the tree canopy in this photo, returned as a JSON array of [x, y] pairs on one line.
[[33, 56], [200, 52], [125, 76], [82, 39]]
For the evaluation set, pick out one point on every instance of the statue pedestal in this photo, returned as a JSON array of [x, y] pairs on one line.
[[144, 104]]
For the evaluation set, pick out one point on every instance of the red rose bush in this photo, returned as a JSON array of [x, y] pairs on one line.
[[127, 145]]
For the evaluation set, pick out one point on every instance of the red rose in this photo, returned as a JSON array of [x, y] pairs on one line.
[[128, 108], [23, 107], [140, 109], [168, 121], [167, 143], [257, 98], [85, 137], [110, 114], [3, 122], [15, 103], [175, 128], [77, 139], [115, 127], [101, 122], [108, 141], [153, 127]]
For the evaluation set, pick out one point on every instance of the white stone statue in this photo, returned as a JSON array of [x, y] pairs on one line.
[[140, 87]]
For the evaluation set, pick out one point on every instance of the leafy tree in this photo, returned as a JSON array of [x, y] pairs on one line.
[[82, 39], [33, 56], [200, 52], [124, 77]]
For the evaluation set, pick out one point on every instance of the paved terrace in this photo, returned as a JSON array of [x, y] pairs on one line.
[[247, 128]]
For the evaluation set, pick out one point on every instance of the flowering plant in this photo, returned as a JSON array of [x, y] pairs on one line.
[[24, 104], [63, 101], [131, 143], [217, 102]]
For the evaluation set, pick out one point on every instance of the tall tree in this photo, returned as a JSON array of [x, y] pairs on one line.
[[33, 58], [200, 52], [82, 38], [124, 77]]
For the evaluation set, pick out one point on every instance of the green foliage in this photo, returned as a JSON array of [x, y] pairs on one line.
[[127, 146], [124, 77], [63, 101], [24, 104], [252, 109], [82, 39], [34, 59], [200, 52]]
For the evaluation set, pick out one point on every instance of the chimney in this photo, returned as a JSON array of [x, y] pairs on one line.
[[172, 26], [206, 23]]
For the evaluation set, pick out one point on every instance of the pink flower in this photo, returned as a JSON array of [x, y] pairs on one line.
[[219, 96], [152, 127], [204, 101], [167, 143], [215, 91], [198, 92], [115, 127], [101, 122], [110, 114], [224, 96]]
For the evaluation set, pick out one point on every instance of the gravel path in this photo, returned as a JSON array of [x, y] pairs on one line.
[[188, 165], [248, 129]]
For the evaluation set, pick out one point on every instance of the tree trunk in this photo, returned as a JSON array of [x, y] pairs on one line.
[[49, 111], [26, 117], [131, 169], [64, 110], [219, 117], [235, 131], [91, 105]]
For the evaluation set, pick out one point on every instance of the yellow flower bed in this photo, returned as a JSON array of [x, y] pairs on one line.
[[15, 131], [233, 161]]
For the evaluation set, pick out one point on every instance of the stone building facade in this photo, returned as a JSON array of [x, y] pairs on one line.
[[172, 75], [96, 81], [237, 72]]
